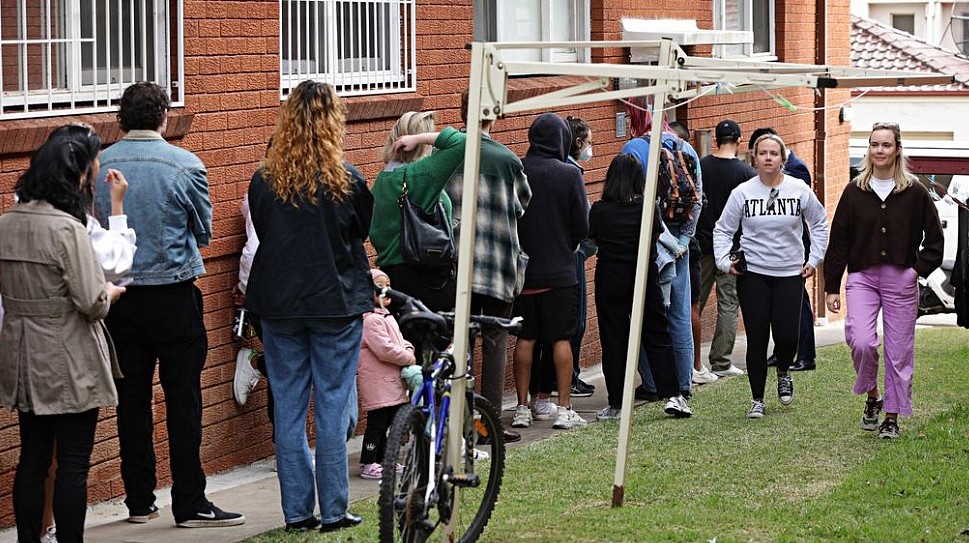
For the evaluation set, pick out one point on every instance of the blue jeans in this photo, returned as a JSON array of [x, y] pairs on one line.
[[317, 354], [681, 324]]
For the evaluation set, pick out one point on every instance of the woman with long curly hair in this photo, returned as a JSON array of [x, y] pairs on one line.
[[408, 143], [56, 368], [310, 285], [886, 232]]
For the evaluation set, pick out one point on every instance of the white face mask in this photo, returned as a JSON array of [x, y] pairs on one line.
[[586, 154]]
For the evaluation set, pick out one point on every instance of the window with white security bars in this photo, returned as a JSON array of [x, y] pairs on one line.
[[65, 57], [358, 46], [756, 16]]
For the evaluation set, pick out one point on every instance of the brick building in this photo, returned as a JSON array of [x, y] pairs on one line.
[[228, 64]]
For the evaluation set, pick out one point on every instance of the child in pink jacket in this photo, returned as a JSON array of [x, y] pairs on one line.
[[383, 353]]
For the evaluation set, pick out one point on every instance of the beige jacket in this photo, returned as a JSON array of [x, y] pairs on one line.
[[56, 356]]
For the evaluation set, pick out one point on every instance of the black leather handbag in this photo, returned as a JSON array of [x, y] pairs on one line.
[[425, 237]]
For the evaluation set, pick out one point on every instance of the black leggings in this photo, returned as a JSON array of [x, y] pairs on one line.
[[614, 283], [375, 438], [771, 306], [74, 435]]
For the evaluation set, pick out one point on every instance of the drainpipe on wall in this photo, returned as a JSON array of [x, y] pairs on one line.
[[820, 135]]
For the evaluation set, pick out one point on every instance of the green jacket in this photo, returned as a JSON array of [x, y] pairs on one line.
[[426, 179]]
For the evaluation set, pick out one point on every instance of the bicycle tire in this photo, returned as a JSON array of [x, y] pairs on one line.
[[401, 498], [484, 432]]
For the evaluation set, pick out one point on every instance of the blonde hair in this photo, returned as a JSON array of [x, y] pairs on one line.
[[900, 174], [306, 152], [772, 137], [412, 122]]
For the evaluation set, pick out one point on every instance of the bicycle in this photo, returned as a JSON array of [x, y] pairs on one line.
[[418, 486]]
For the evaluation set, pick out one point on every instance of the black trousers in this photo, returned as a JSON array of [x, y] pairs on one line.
[[375, 437], [771, 306], [436, 288], [74, 435], [614, 303], [163, 324]]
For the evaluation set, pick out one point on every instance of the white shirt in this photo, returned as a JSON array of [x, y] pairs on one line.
[[882, 187]]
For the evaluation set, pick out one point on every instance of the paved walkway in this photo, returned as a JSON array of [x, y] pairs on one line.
[[254, 491]]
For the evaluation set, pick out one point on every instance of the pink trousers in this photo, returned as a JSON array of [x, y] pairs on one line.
[[893, 290]]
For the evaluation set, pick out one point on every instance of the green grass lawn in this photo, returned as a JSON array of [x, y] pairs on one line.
[[805, 472]]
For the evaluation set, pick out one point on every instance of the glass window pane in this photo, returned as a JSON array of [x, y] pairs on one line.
[[563, 20], [763, 19], [904, 22], [485, 24]]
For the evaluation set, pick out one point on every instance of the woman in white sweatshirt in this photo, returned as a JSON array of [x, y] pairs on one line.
[[768, 209]]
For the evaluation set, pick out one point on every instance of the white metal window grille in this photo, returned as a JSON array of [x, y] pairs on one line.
[[534, 20], [756, 16], [358, 46], [64, 57]]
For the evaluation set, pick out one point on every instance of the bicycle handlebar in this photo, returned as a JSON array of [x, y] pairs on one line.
[[414, 309]]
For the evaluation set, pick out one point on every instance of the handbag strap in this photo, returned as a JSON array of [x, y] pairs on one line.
[[404, 187]]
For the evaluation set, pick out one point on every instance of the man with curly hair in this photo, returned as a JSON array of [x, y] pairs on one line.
[[161, 318]]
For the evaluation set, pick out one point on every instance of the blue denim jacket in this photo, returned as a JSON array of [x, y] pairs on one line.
[[167, 204]]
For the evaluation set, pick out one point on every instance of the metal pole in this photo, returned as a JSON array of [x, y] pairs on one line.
[[462, 304], [639, 290]]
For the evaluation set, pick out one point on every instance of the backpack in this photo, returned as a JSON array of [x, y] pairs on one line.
[[676, 189]]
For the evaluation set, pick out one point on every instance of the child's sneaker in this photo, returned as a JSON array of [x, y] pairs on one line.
[[543, 409], [246, 377], [567, 418], [869, 419], [523, 417], [371, 471]]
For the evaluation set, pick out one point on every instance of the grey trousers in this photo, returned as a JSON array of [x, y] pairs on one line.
[[728, 308]]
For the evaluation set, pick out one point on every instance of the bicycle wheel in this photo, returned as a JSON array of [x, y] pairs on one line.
[[401, 501], [484, 455]]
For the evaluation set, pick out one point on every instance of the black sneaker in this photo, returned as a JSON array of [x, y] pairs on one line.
[[888, 429], [582, 386], [212, 517], [785, 389], [642, 394], [304, 525], [772, 362], [141, 516], [869, 419], [580, 392]]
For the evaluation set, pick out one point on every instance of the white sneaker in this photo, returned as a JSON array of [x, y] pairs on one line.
[[49, 535], [523, 417], [246, 377], [543, 409], [567, 418], [677, 407], [609, 413], [703, 376], [732, 371]]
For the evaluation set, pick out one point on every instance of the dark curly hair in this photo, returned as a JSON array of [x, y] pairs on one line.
[[56, 170], [143, 107]]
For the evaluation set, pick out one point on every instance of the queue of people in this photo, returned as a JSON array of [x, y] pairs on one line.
[[761, 234]]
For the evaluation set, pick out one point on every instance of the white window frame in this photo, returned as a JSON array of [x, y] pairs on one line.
[[324, 39], [499, 9], [67, 87], [747, 23]]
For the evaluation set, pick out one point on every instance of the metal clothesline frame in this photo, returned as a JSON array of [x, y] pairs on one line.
[[675, 76]]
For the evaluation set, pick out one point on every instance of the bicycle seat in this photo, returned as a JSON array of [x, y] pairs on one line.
[[422, 325]]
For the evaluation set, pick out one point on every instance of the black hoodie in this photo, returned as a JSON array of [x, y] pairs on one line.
[[557, 219]]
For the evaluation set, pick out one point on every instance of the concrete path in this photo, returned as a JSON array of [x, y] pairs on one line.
[[254, 491]]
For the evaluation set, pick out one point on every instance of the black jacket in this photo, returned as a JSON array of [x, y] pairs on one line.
[[311, 262], [557, 218]]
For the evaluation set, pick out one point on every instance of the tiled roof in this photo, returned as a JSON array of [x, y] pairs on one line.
[[878, 46]]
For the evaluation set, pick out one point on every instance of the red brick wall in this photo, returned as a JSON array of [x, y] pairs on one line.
[[231, 80]]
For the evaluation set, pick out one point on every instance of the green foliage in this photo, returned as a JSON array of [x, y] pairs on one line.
[[805, 472]]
